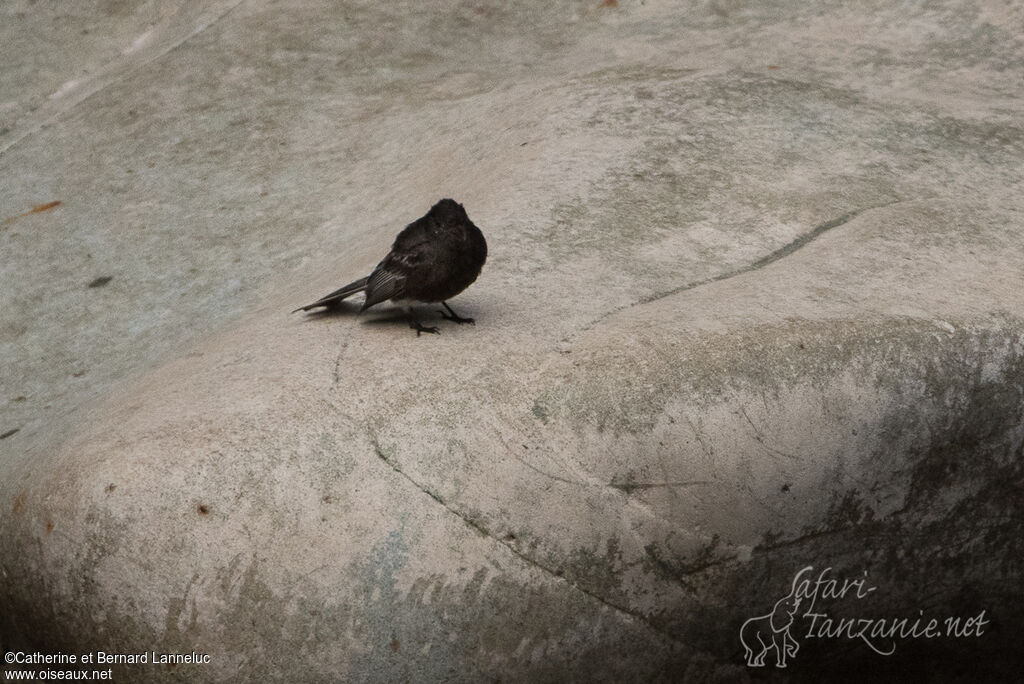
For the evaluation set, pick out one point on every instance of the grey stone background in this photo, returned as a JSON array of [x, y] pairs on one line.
[[753, 303]]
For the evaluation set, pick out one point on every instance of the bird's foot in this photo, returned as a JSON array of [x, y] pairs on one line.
[[452, 316], [419, 328]]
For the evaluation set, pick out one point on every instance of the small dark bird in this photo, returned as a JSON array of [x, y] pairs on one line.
[[433, 259]]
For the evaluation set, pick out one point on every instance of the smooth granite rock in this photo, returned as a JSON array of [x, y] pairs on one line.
[[752, 305]]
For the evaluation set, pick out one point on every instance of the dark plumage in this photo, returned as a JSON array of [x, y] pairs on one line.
[[433, 259]]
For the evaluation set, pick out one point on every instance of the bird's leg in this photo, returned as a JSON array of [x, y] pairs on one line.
[[420, 328], [452, 316]]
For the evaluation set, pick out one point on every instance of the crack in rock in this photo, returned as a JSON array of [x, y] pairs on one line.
[[118, 70], [780, 253], [630, 487], [526, 559]]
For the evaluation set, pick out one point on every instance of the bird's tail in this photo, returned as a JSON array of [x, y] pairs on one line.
[[337, 295]]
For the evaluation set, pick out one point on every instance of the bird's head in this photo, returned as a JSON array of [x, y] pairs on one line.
[[448, 209]]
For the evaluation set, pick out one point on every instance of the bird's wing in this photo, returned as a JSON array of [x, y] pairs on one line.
[[388, 280], [383, 285]]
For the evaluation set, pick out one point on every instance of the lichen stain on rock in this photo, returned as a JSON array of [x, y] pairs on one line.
[[612, 390], [599, 573], [958, 536], [441, 626]]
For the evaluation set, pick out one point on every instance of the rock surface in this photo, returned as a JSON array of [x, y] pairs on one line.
[[752, 305]]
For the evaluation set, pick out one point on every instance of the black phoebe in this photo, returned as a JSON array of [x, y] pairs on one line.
[[433, 259]]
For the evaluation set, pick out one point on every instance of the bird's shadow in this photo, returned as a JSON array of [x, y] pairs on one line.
[[395, 317]]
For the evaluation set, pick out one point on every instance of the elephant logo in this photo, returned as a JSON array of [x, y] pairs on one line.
[[762, 634]]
